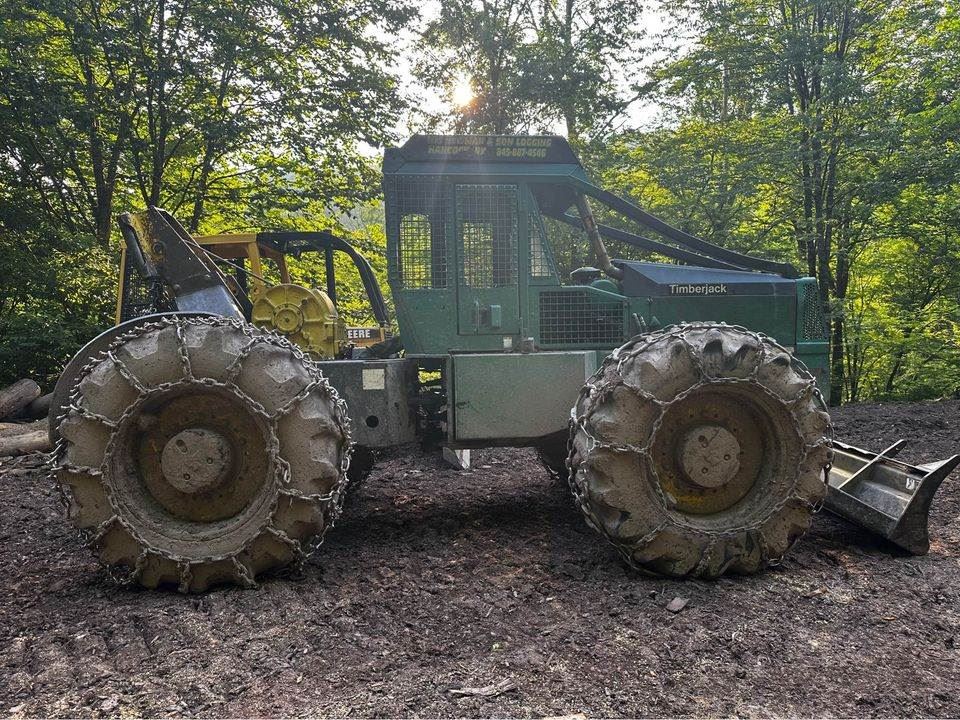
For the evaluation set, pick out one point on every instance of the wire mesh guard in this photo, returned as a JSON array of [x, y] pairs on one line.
[[541, 264], [576, 317], [417, 216], [487, 230], [813, 324], [141, 296]]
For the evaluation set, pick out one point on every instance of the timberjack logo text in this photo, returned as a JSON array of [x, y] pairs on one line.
[[704, 289]]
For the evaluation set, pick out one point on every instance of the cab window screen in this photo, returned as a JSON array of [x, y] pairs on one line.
[[421, 246], [487, 233]]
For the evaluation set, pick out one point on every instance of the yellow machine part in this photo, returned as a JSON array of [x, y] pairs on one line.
[[307, 316]]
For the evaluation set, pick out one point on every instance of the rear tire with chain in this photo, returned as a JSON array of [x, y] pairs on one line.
[[700, 450], [200, 451]]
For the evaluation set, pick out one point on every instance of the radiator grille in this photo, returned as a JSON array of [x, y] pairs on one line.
[[576, 317], [487, 233], [813, 325]]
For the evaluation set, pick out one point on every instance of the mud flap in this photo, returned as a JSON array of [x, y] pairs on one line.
[[884, 495]]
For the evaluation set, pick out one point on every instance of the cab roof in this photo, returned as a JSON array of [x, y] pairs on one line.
[[547, 162]]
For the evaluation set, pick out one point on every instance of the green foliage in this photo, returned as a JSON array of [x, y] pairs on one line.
[[51, 303], [904, 313], [532, 63], [234, 116], [819, 132], [822, 132]]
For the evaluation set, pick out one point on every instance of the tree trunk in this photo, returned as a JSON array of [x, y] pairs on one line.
[[897, 363], [161, 125], [836, 363], [40, 407], [15, 428], [209, 147]]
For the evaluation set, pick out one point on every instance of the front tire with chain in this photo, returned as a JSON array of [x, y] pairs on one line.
[[200, 451], [700, 450]]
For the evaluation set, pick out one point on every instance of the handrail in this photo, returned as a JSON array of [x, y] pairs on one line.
[[698, 245], [646, 243]]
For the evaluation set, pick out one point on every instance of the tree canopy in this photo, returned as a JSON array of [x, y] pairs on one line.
[[234, 116], [819, 132]]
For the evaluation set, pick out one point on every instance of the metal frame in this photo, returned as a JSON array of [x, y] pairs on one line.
[[296, 243]]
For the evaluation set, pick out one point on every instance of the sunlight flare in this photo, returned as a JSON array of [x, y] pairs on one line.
[[462, 93]]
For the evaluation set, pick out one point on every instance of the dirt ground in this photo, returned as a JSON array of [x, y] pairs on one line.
[[437, 580]]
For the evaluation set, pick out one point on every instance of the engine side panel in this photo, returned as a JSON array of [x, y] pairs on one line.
[[516, 397]]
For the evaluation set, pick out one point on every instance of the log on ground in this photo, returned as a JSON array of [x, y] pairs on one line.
[[14, 441], [39, 408], [17, 428], [14, 398]]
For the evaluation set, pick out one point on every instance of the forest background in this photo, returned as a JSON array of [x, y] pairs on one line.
[[819, 132]]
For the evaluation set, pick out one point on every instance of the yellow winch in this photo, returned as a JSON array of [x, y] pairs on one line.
[[307, 316]]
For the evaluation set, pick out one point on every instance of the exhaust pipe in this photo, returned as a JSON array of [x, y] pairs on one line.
[[884, 495]]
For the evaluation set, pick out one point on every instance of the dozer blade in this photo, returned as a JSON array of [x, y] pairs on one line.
[[884, 495]]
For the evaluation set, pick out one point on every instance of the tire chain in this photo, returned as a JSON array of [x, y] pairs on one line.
[[639, 344], [302, 550]]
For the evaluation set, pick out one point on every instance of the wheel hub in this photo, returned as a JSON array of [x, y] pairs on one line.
[[709, 456], [196, 460], [288, 319], [189, 426], [708, 475]]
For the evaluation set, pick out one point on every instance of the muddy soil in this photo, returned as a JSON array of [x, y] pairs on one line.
[[437, 580]]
